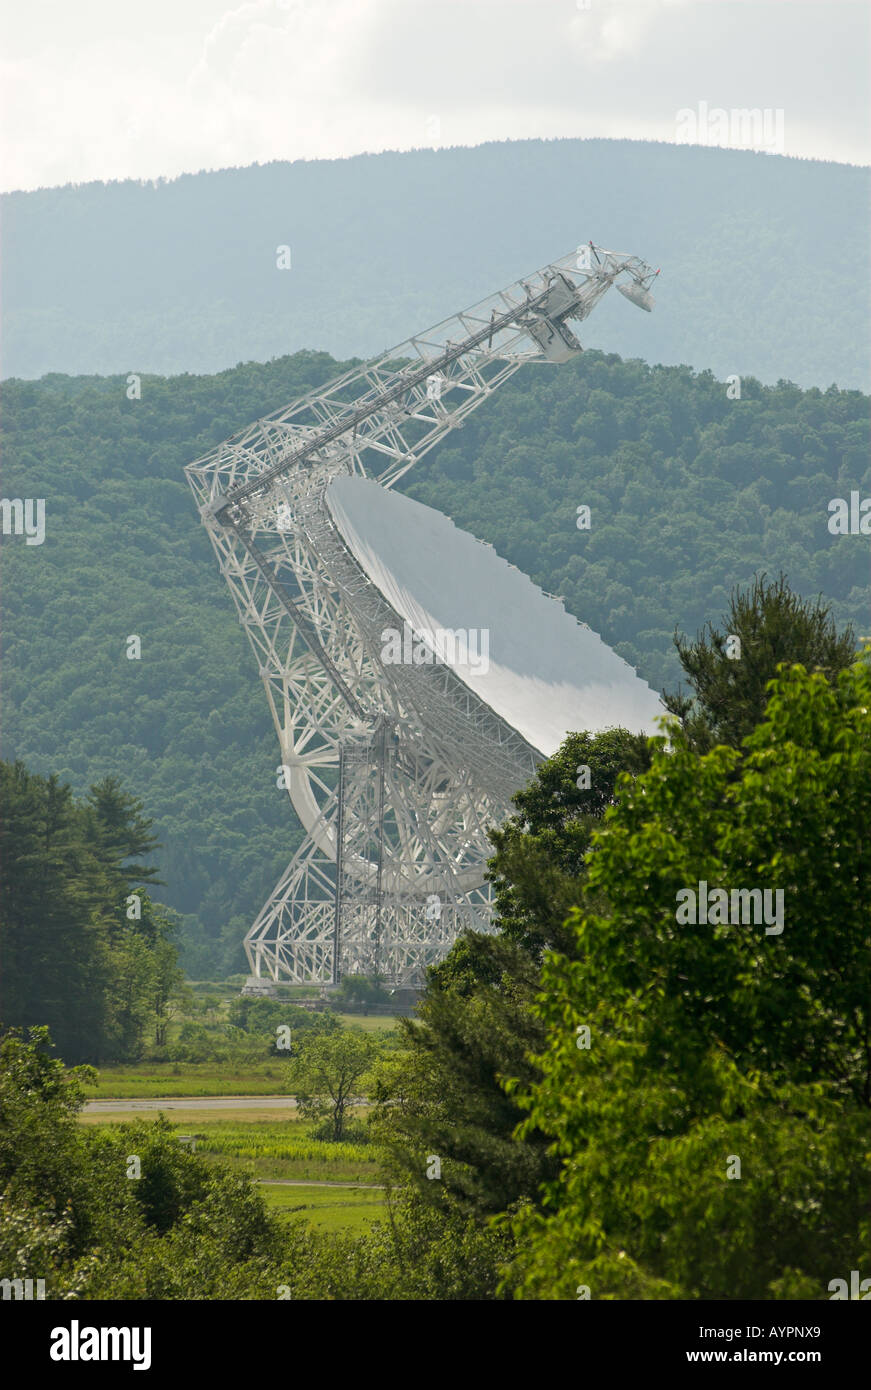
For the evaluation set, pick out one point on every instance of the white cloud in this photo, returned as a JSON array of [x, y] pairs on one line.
[[124, 93], [607, 32]]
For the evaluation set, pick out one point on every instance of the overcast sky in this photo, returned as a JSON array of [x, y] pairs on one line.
[[101, 89]]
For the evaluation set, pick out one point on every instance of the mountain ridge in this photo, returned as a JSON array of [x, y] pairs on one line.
[[182, 276]]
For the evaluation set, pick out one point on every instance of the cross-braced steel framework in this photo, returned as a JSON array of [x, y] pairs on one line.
[[395, 771]]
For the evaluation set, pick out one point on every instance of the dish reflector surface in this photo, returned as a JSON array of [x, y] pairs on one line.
[[545, 674]]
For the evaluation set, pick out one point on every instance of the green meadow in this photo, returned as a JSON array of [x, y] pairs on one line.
[[145, 1080], [275, 1147], [347, 1210]]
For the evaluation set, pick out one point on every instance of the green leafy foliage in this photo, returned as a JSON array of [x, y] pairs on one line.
[[263, 1016], [711, 1041], [791, 816], [541, 849], [74, 1213], [329, 1071], [363, 990], [443, 1096]]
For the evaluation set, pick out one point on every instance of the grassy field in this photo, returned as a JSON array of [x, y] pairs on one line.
[[269, 1144], [340, 1209], [188, 1120], [370, 1023], [283, 1149], [141, 1080]]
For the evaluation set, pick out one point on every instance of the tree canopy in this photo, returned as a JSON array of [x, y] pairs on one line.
[[711, 1043]]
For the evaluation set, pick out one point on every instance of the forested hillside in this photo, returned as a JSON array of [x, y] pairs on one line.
[[124, 554], [764, 259], [690, 493]]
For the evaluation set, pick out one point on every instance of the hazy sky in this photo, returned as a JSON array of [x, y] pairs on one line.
[[100, 89]]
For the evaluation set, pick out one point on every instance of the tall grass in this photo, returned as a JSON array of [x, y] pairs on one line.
[[283, 1149]]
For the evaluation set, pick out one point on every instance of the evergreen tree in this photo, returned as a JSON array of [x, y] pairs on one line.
[[80, 953], [729, 668]]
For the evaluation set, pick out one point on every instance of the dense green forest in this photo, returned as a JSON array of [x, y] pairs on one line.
[[691, 493], [764, 258]]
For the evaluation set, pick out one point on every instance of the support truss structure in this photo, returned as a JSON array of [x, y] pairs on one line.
[[394, 771]]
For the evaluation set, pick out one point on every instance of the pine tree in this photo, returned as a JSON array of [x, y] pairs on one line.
[[729, 679]]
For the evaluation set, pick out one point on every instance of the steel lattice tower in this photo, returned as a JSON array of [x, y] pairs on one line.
[[394, 771]]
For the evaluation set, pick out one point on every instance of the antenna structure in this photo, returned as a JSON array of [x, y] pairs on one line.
[[395, 771]]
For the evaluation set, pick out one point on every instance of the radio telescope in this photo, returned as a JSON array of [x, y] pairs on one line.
[[415, 679]]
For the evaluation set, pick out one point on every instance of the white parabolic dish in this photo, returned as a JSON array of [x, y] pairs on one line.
[[546, 675]]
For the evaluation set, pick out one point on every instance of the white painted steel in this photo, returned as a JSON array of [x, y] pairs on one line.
[[547, 674]]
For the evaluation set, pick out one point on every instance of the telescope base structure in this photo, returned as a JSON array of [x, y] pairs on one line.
[[371, 910]]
